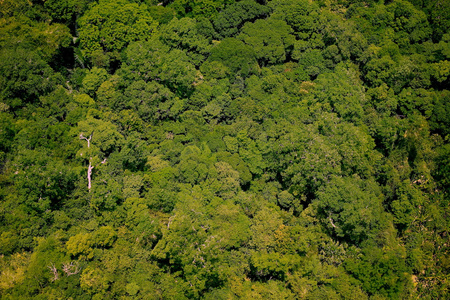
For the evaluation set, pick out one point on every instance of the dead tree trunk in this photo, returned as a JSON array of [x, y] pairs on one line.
[[90, 167], [89, 174]]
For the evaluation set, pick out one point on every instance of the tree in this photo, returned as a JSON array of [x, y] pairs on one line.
[[199, 8], [154, 61], [229, 21], [41, 37], [438, 120], [382, 271], [410, 21], [43, 182], [408, 24], [271, 40], [183, 34], [101, 140], [312, 163], [351, 208], [311, 60], [65, 11], [302, 16], [7, 131], [196, 164], [237, 56], [24, 77], [221, 149], [343, 91], [345, 35], [110, 25], [93, 80], [209, 244]]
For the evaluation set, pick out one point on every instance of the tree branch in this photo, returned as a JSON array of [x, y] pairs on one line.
[[88, 140], [331, 221], [54, 271]]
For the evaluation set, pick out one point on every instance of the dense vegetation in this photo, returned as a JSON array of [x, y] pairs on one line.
[[222, 149]]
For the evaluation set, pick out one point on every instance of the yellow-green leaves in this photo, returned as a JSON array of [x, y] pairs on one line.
[[83, 245]]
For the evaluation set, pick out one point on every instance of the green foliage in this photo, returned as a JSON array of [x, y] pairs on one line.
[[271, 40], [302, 16], [109, 26], [80, 245], [9, 242], [221, 149], [382, 272], [399, 19], [351, 208], [443, 173], [42, 181], [199, 8], [312, 165], [105, 137], [410, 21], [24, 77], [311, 60], [64, 11], [151, 100], [183, 34], [93, 79], [237, 56], [343, 91], [7, 131], [161, 14], [438, 119], [206, 261], [196, 164], [154, 61], [228, 22], [93, 281], [44, 38]]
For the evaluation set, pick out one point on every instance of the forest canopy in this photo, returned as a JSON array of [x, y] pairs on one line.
[[224, 149]]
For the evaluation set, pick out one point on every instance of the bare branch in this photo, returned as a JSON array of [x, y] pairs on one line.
[[331, 221], [88, 140], [54, 271], [71, 268]]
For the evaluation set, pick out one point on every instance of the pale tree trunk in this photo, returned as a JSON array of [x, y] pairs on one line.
[[90, 167], [89, 174], [331, 221], [88, 140]]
